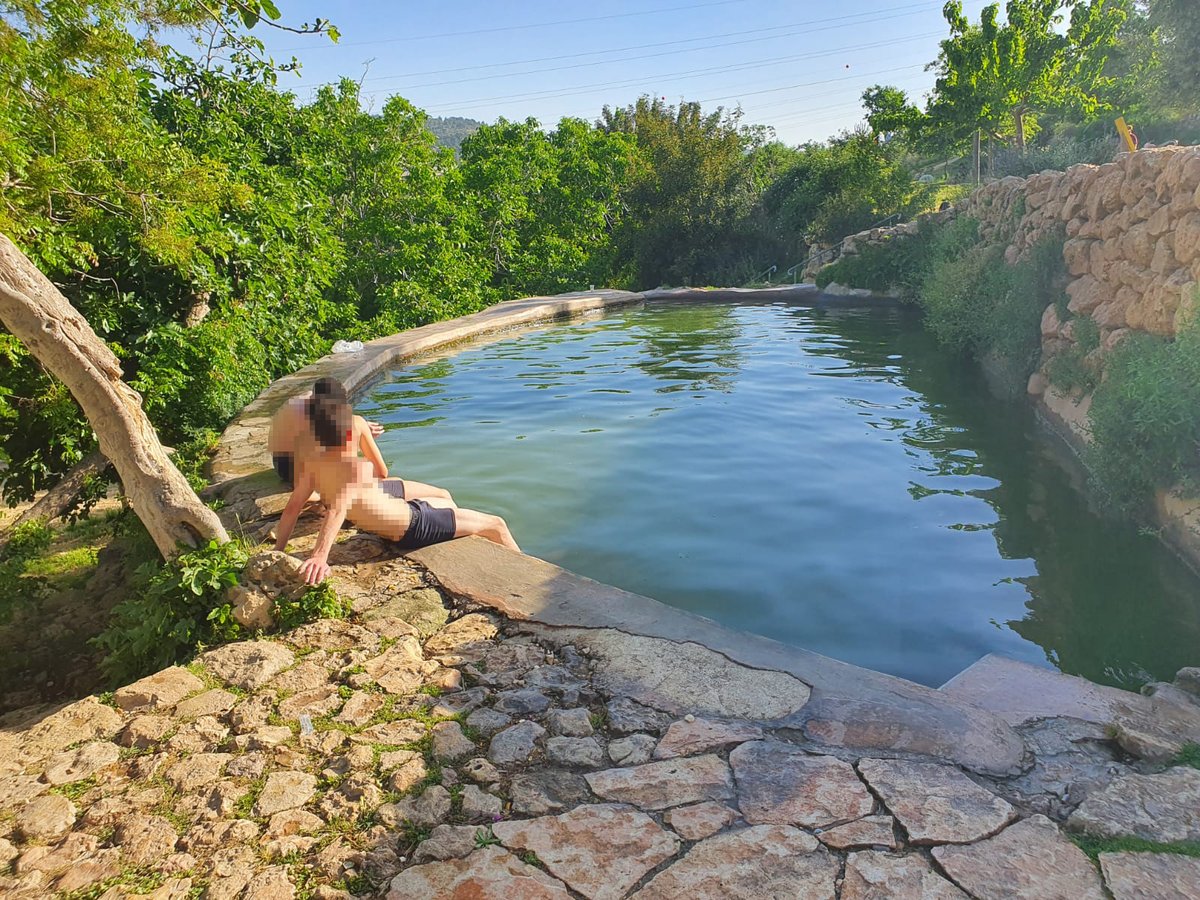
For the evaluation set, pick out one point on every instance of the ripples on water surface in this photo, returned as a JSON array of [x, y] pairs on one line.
[[827, 478]]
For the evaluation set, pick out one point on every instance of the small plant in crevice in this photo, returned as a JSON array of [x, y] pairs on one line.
[[318, 602], [1188, 756], [1069, 369]]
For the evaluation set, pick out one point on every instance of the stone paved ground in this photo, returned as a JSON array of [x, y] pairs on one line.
[[421, 750]]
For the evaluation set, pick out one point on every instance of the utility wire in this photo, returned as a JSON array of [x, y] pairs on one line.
[[603, 86], [446, 34], [776, 32]]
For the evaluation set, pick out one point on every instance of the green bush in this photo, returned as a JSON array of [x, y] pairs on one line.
[[25, 543], [319, 602], [180, 607], [1145, 418], [176, 607], [903, 262], [977, 303], [1069, 368]]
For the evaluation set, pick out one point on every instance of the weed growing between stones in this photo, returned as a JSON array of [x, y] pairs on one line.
[[1069, 368], [1188, 756], [1094, 846], [75, 789], [485, 837]]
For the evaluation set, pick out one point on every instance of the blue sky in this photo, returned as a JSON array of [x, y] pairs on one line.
[[800, 67]]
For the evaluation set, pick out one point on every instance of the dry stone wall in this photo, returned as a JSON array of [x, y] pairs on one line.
[[1131, 233]]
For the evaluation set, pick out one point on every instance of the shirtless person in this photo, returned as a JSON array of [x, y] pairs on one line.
[[291, 440], [352, 491]]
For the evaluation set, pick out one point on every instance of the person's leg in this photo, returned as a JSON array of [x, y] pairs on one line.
[[486, 525], [418, 490]]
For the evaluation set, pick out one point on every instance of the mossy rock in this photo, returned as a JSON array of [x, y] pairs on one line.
[[421, 607]]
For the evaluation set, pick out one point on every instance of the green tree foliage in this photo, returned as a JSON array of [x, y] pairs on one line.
[[840, 187], [690, 195], [998, 77], [1176, 25], [548, 204]]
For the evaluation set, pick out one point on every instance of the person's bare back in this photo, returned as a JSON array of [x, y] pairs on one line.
[[351, 483]]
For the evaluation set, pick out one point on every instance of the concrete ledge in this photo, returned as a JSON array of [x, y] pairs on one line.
[[242, 449]]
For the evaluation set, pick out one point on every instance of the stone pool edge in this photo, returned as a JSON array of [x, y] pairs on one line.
[[843, 705]]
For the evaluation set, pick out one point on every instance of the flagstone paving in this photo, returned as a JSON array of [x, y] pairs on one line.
[[463, 754]]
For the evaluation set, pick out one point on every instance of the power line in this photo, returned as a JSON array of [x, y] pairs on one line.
[[602, 86], [429, 37], [776, 33]]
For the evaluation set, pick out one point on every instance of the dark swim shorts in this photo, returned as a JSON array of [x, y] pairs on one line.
[[393, 487], [285, 467], [428, 525]]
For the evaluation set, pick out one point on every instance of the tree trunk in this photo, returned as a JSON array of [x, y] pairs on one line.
[[58, 500], [1019, 124], [61, 339], [975, 156]]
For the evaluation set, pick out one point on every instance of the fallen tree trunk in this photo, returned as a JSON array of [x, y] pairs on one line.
[[57, 501], [39, 316]]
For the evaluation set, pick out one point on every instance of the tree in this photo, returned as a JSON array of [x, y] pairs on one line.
[[890, 114], [1178, 26], [997, 77], [34, 311]]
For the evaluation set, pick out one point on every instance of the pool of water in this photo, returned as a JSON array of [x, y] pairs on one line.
[[827, 478]]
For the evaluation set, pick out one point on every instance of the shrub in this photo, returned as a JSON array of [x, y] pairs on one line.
[[25, 543], [1145, 418], [977, 303], [903, 262], [318, 602], [177, 606], [1069, 369]]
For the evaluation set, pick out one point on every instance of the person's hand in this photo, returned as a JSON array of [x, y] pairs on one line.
[[375, 428], [313, 571]]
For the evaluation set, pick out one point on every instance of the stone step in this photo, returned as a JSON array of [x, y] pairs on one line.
[[1018, 692]]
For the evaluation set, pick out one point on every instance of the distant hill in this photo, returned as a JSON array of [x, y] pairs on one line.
[[452, 130]]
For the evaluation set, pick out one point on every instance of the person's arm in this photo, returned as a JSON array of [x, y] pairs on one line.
[[305, 483], [370, 449], [315, 569]]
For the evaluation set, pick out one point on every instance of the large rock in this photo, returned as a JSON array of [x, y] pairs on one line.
[[870, 832], [936, 804], [46, 818], [1151, 876], [488, 874], [211, 703], [700, 820], [624, 716], [1163, 807], [973, 738], [688, 678], [750, 864], [546, 791], [515, 744], [248, 665], [781, 784], [162, 690], [83, 762], [449, 742], [582, 752], [1026, 861], [872, 875], [447, 842], [686, 738], [600, 851], [467, 638], [285, 790], [332, 634], [659, 785], [422, 608]]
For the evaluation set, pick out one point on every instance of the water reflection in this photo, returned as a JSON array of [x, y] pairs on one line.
[[843, 485]]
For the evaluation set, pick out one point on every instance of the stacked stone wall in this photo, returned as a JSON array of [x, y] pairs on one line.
[[1131, 232]]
